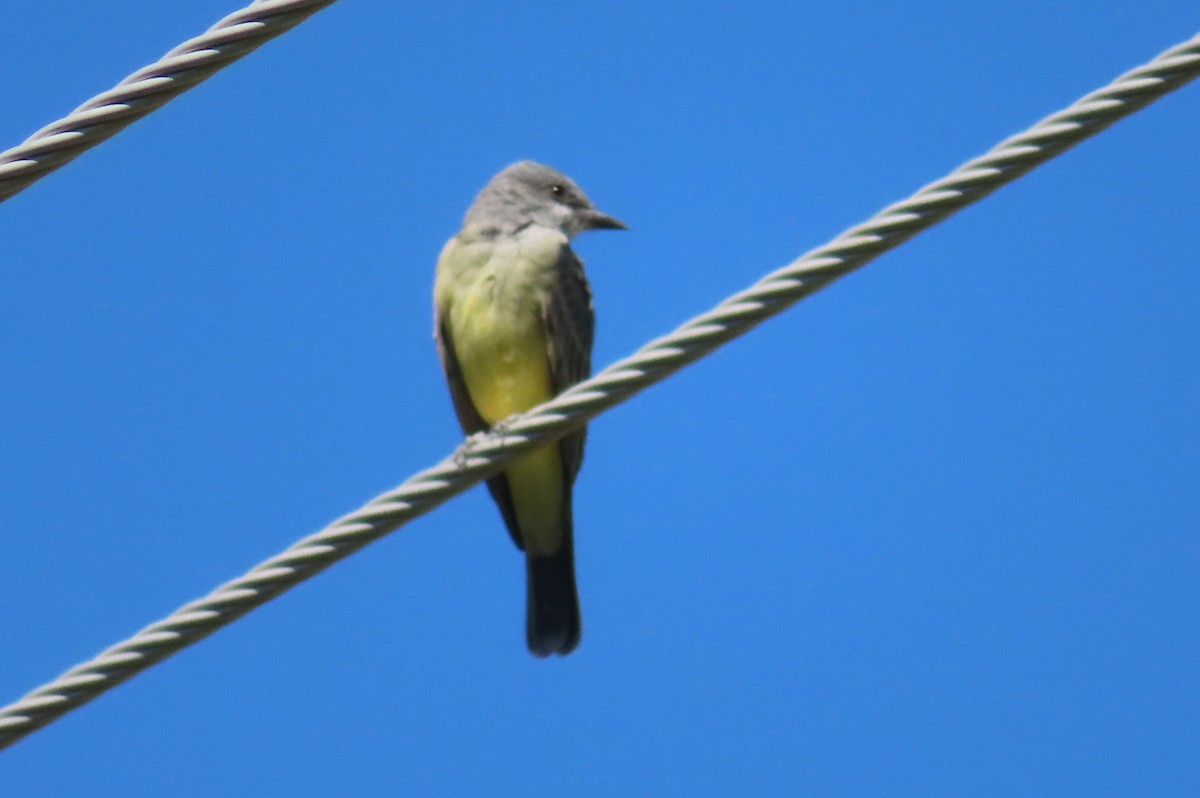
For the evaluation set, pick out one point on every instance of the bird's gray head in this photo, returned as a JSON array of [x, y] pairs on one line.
[[532, 193]]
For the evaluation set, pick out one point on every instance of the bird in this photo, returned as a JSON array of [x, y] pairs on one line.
[[514, 326]]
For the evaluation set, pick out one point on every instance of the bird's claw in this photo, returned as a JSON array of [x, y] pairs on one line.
[[462, 455]]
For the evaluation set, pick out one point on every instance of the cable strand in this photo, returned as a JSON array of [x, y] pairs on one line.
[[148, 89]]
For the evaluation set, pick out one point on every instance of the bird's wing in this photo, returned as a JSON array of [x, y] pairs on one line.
[[570, 326], [468, 416]]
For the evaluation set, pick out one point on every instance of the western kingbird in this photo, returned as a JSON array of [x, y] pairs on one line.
[[514, 327]]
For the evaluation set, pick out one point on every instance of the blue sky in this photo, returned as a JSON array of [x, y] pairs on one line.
[[933, 532]]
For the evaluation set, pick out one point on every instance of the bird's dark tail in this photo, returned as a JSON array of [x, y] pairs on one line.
[[552, 622]]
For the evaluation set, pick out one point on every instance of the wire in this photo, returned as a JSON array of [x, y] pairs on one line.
[[486, 453], [148, 89]]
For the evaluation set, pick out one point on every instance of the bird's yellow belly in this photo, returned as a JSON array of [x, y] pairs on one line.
[[502, 354], [504, 365]]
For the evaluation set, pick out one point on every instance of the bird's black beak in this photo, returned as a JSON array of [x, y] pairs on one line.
[[600, 221]]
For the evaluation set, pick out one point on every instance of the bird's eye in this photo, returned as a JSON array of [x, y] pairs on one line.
[[558, 189]]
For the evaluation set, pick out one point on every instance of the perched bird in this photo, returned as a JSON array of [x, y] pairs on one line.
[[514, 324]]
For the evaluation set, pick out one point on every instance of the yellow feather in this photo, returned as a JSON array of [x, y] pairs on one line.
[[493, 295]]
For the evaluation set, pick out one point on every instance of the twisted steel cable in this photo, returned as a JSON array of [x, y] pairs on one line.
[[149, 88], [486, 453]]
